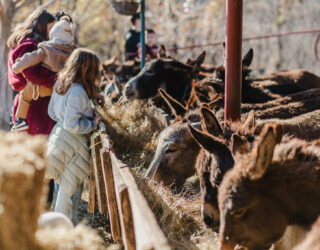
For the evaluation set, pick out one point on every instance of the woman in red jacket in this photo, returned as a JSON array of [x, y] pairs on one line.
[[25, 38]]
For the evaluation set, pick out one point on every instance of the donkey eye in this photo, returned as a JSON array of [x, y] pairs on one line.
[[170, 150], [239, 213]]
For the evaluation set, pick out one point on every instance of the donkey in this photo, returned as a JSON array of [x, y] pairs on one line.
[[216, 157], [269, 189], [286, 107], [305, 126], [288, 82], [173, 76], [176, 151]]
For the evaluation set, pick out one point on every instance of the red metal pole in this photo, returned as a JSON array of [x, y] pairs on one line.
[[233, 76]]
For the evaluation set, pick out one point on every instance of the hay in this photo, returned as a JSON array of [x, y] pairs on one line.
[[79, 238], [134, 130], [22, 169]]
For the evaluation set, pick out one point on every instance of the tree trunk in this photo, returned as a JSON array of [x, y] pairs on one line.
[[6, 18]]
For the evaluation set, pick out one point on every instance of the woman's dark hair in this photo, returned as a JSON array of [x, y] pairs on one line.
[[61, 14], [135, 17], [34, 26]]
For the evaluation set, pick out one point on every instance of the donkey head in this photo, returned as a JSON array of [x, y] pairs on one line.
[[176, 151], [215, 159], [246, 62], [167, 73], [248, 216]]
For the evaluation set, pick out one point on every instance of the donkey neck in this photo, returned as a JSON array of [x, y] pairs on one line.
[[178, 84]]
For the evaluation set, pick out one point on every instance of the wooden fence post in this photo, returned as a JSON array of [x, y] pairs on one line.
[[92, 189], [130, 241], [111, 195], [100, 188]]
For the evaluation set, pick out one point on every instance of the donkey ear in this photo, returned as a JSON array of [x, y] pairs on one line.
[[247, 59], [205, 140], [250, 123], [200, 58], [216, 103], [261, 157], [189, 61], [209, 122], [162, 52], [176, 108], [239, 145], [198, 62]]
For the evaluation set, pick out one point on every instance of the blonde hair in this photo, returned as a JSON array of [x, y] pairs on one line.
[[81, 67], [35, 25]]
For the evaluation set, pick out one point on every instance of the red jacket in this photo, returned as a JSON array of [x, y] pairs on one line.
[[38, 119]]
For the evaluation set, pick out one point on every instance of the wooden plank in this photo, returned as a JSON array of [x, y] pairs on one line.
[[111, 195], [148, 234], [92, 190], [100, 188], [128, 222], [119, 187]]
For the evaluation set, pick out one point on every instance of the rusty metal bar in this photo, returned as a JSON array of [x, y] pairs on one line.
[[233, 60]]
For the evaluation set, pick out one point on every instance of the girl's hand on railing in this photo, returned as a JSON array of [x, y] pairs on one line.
[[97, 118]]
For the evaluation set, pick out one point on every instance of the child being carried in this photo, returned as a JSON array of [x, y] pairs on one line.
[[53, 55]]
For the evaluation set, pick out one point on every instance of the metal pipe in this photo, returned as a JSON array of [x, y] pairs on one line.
[[233, 75], [142, 34]]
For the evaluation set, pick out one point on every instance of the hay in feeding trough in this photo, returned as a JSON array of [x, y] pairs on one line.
[[134, 129], [22, 169]]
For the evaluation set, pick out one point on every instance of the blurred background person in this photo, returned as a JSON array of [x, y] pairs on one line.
[[151, 46], [133, 38]]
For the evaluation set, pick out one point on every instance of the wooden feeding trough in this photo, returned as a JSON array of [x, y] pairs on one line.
[[133, 224]]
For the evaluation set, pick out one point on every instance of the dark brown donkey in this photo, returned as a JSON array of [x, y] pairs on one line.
[[216, 157], [269, 189], [173, 76]]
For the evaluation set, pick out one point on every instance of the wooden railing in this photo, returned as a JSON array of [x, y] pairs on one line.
[[133, 224]]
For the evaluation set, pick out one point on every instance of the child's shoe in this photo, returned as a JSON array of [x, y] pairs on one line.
[[20, 125]]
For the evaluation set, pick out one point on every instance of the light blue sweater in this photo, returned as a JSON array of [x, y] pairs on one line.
[[74, 110]]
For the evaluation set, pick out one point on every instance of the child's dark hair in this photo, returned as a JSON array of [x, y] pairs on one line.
[[151, 31], [62, 15], [135, 17]]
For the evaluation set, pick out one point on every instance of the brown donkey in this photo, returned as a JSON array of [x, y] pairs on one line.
[[215, 157], [269, 189], [176, 151]]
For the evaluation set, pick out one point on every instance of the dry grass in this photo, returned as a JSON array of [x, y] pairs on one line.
[[22, 169], [22, 199], [134, 131], [80, 238]]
